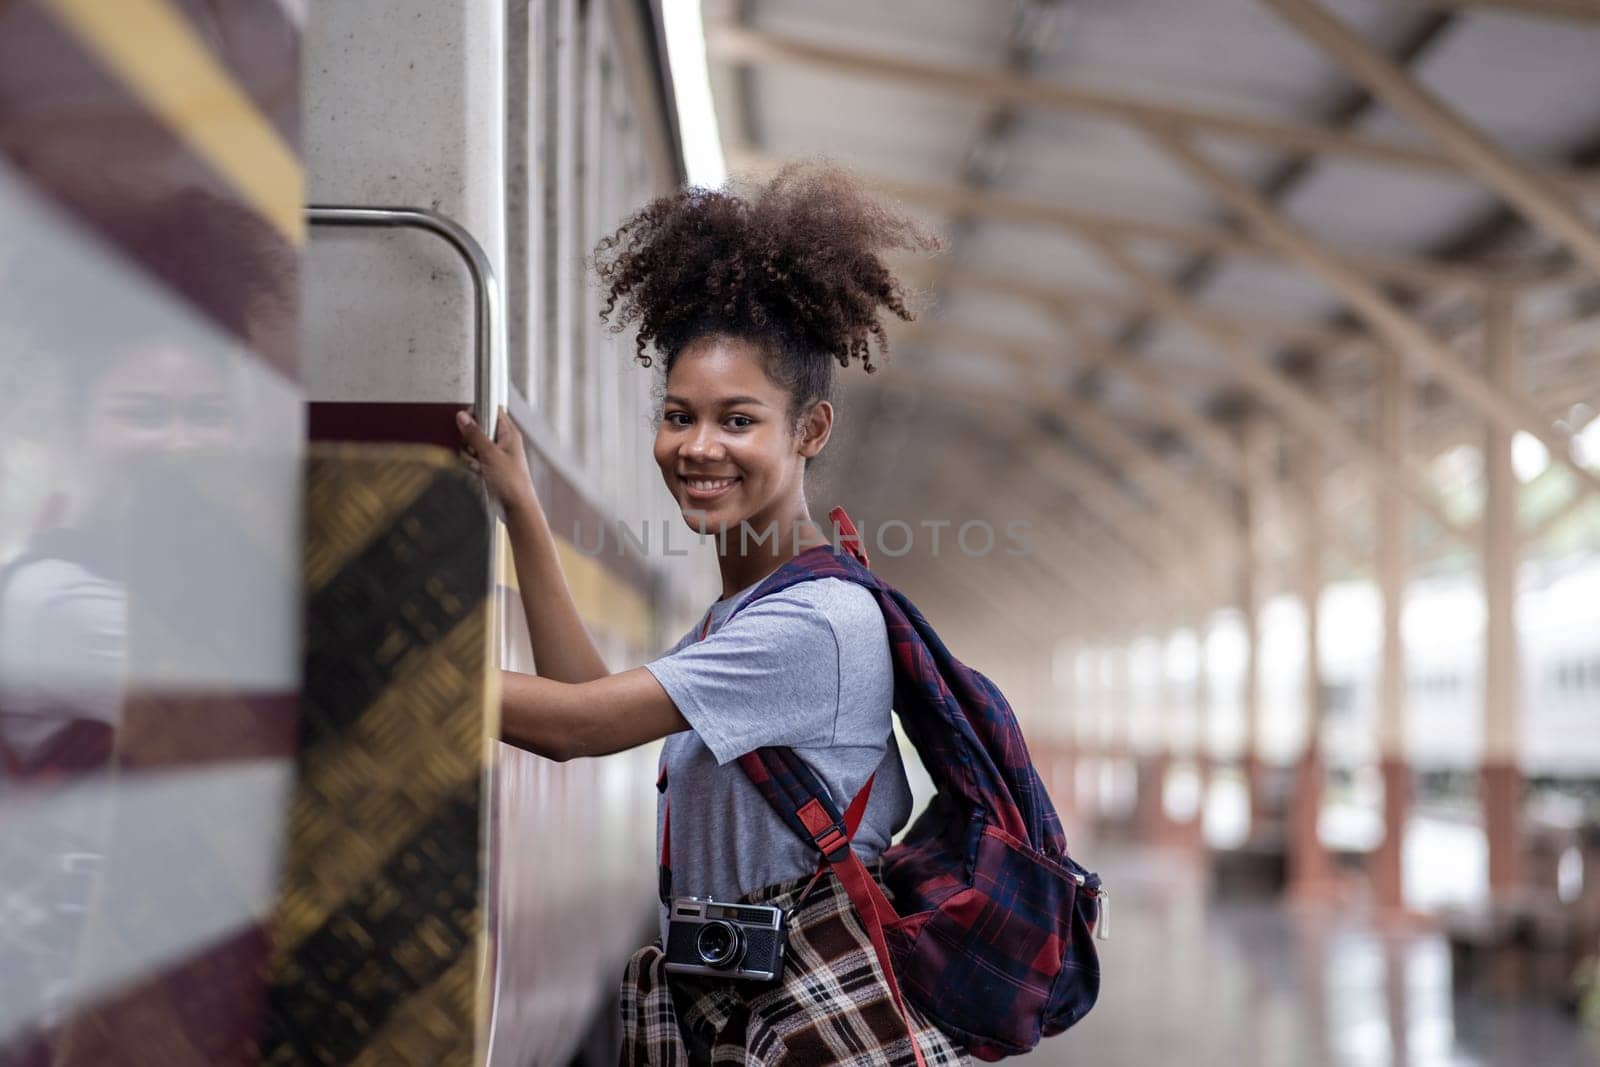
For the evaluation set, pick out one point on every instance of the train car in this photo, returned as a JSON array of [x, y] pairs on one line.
[[1559, 630], [516, 133]]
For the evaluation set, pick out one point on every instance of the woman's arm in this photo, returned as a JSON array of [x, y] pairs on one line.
[[562, 720], [562, 647]]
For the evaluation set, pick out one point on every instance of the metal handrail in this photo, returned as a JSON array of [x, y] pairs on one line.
[[488, 393]]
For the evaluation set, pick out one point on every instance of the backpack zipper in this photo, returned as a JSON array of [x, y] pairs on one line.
[[1102, 918]]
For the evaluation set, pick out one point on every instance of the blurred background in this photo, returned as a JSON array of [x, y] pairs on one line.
[[1274, 323], [1247, 437]]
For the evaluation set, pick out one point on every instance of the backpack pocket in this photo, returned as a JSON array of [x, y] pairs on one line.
[[997, 963]]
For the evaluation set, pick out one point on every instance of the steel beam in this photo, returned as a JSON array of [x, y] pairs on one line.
[[1217, 240], [1159, 537], [1580, 10], [1538, 199], [741, 45], [1058, 297], [1509, 409], [1309, 415], [955, 470]]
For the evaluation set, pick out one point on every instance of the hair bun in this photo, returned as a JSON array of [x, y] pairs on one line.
[[797, 259]]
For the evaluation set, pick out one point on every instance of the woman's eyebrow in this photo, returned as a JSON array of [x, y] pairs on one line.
[[727, 401]]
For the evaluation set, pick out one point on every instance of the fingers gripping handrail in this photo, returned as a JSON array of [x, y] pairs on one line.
[[489, 365]]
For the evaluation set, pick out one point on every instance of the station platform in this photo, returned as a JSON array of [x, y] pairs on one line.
[[1192, 979]]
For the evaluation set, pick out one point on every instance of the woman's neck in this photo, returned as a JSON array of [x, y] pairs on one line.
[[744, 560]]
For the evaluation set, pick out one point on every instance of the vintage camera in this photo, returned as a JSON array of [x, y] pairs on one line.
[[725, 940]]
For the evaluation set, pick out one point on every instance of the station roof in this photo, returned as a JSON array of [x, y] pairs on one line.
[[1167, 216]]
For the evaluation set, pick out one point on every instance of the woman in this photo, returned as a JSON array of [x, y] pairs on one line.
[[748, 302]]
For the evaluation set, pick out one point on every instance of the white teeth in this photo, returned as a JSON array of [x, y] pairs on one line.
[[707, 484]]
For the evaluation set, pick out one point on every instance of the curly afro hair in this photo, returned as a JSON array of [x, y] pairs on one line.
[[794, 266]]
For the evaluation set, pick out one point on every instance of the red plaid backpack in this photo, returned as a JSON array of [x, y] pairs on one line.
[[992, 934]]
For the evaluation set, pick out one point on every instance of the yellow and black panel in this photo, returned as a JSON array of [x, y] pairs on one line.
[[379, 941]]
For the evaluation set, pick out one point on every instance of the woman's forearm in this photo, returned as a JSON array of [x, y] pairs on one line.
[[562, 720], [534, 716], [562, 647]]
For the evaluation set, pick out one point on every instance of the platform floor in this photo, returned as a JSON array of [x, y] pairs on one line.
[[1188, 981]]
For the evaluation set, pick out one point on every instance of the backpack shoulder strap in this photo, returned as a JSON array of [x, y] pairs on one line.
[[801, 800]]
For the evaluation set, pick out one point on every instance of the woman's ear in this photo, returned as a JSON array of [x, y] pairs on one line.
[[815, 428]]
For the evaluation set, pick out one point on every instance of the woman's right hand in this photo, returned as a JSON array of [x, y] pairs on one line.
[[503, 462]]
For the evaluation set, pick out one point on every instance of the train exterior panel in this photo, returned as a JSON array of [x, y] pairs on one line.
[[535, 127]]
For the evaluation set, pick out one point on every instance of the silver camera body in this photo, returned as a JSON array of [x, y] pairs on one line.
[[725, 940]]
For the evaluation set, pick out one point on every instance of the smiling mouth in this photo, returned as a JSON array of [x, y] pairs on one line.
[[707, 488]]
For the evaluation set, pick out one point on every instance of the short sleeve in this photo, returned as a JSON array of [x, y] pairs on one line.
[[769, 676]]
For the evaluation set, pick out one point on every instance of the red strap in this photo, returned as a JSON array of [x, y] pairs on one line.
[[848, 538], [666, 818], [875, 910], [862, 889], [858, 808], [852, 817]]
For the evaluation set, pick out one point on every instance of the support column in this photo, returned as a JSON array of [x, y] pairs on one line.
[[1125, 754], [1169, 704], [1105, 721], [1500, 776], [1149, 750], [1310, 872], [1066, 740], [1202, 730], [1257, 442], [1392, 560]]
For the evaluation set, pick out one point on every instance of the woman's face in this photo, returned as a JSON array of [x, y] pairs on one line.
[[157, 401], [726, 446]]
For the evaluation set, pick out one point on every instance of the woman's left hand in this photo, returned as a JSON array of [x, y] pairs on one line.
[[503, 462]]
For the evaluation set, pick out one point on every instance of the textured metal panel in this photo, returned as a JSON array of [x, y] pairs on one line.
[[379, 938]]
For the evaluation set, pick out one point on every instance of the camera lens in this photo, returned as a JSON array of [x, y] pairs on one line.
[[718, 944]]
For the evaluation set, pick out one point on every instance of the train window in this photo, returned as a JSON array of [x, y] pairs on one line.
[[566, 261], [548, 227], [524, 102], [581, 221]]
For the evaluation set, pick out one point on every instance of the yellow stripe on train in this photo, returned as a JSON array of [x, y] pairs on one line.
[[152, 49], [603, 599]]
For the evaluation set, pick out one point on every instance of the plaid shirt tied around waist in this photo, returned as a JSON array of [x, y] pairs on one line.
[[831, 1006]]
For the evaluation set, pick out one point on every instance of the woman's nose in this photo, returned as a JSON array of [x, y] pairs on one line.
[[703, 445]]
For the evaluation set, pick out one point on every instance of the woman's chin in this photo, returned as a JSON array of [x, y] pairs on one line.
[[707, 523]]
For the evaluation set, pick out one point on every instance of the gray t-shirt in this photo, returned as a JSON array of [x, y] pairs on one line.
[[808, 668]]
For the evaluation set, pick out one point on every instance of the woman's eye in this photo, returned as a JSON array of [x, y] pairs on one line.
[[739, 422], [676, 418]]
